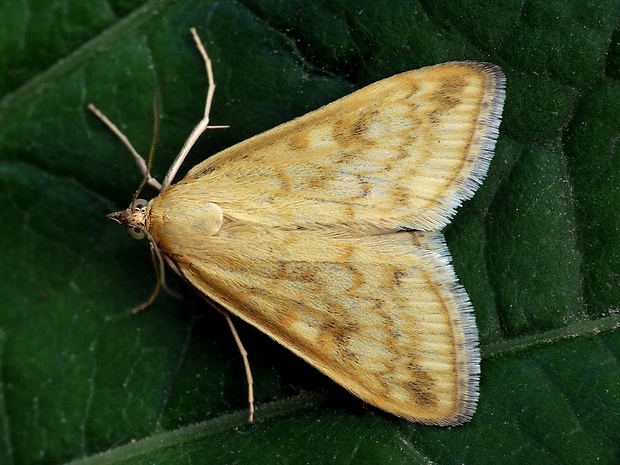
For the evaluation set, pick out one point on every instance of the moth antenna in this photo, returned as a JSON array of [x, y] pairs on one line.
[[149, 164], [202, 125], [142, 166]]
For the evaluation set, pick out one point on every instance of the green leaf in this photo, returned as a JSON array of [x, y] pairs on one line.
[[538, 249]]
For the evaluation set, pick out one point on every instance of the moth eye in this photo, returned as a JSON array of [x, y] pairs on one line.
[[136, 233], [140, 204]]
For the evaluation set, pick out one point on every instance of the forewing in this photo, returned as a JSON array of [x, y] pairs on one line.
[[381, 315], [401, 153]]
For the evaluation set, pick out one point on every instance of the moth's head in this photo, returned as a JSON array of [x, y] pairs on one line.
[[133, 218]]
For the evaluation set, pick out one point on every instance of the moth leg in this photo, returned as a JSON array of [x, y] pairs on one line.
[[123, 138], [202, 125], [160, 281], [246, 363]]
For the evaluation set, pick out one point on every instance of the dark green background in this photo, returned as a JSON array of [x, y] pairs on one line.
[[537, 248]]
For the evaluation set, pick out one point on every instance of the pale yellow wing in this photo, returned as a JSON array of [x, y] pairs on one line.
[[311, 233], [402, 152], [381, 315]]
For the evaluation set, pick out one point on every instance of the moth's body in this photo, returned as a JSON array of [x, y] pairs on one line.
[[324, 233]]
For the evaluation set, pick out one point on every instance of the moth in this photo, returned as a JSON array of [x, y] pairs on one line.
[[325, 233]]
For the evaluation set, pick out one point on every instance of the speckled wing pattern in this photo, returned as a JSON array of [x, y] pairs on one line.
[[331, 238]]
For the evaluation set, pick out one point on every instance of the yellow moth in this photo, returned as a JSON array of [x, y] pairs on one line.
[[324, 233]]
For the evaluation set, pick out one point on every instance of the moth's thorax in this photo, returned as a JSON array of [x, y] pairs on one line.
[[175, 221]]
